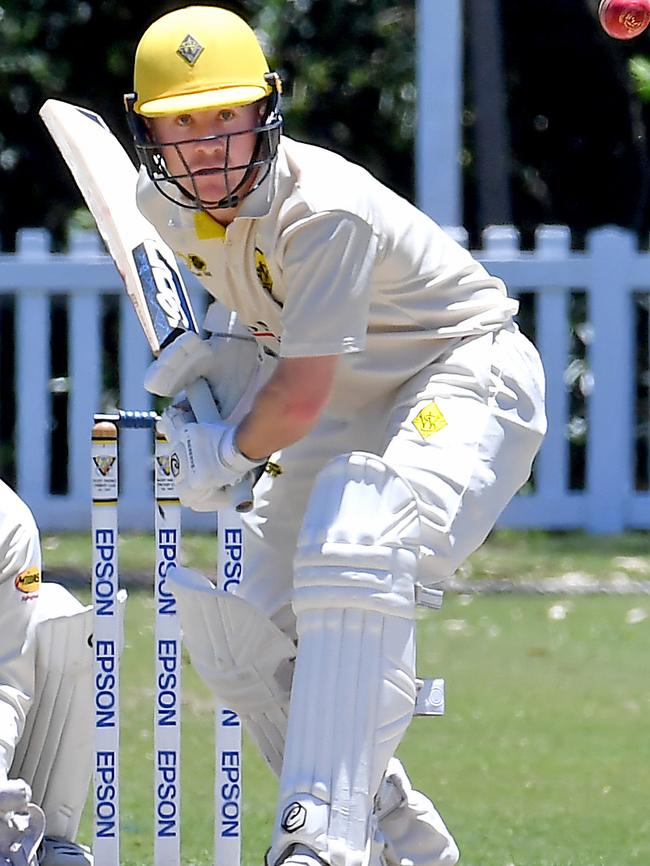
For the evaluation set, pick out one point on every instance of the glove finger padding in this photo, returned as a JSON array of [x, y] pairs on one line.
[[232, 365], [172, 421], [184, 361]]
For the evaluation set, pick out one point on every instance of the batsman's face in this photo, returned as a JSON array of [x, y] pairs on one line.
[[208, 152]]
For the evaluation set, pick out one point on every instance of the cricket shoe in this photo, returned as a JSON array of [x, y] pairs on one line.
[[60, 852], [300, 855], [410, 830]]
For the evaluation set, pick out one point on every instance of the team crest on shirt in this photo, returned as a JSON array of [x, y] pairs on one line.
[[29, 582], [195, 264], [272, 468], [429, 420], [262, 271]]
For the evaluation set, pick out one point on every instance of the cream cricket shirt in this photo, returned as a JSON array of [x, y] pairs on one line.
[[20, 580], [325, 260]]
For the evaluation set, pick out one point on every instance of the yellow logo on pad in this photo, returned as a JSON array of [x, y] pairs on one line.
[[429, 420]]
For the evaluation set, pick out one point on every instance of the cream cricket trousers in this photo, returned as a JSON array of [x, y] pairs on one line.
[[463, 432]]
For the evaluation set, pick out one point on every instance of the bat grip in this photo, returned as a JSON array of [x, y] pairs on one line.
[[205, 412]]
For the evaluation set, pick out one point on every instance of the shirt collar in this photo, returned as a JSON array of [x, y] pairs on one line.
[[258, 203]]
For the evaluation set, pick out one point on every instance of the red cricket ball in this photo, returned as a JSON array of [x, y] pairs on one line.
[[624, 19]]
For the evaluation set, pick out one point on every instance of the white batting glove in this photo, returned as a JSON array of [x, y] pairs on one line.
[[185, 360], [231, 365], [204, 460]]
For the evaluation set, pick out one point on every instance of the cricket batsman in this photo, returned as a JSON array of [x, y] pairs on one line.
[[394, 396], [45, 702]]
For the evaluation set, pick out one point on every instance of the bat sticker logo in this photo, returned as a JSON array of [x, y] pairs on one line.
[[163, 291]]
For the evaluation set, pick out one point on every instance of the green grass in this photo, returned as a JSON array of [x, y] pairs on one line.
[[539, 555], [71, 552], [506, 554], [541, 759], [543, 751]]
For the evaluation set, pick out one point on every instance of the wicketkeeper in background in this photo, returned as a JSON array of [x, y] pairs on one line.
[[46, 710], [400, 405]]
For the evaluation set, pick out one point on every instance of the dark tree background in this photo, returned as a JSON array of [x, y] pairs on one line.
[[571, 121], [578, 129]]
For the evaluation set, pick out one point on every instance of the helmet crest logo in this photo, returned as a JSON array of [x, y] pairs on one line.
[[190, 49]]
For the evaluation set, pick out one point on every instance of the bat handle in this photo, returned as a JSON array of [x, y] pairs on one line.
[[205, 411]]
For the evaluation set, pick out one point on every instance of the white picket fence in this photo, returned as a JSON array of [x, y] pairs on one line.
[[84, 275], [610, 271]]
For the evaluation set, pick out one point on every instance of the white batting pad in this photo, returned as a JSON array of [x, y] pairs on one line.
[[240, 654], [354, 685], [55, 752]]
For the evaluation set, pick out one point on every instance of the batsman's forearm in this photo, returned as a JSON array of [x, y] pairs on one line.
[[288, 406], [274, 422]]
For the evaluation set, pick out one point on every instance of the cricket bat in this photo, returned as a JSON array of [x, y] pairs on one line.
[[107, 180]]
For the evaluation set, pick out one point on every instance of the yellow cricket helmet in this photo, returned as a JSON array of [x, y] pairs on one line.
[[197, 58]]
